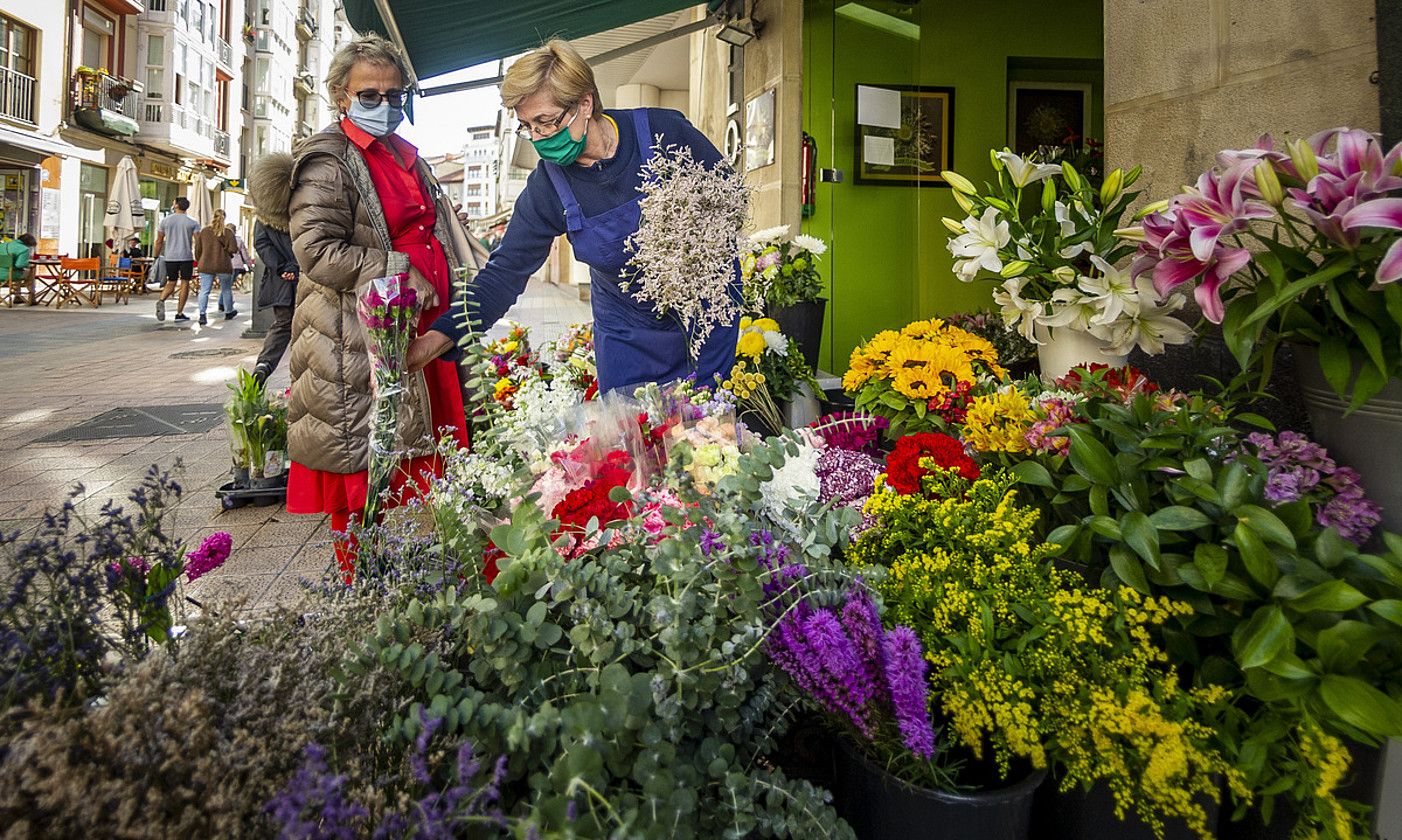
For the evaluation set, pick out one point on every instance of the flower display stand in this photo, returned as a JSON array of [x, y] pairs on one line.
[[261, 492]]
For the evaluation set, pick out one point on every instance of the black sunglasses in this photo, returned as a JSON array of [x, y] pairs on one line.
[[370, 98]]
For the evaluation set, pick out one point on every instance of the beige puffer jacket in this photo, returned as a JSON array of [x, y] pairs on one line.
[[342, 242]]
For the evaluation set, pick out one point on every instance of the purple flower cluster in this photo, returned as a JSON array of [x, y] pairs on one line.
[[711, 542], [209, 556], [852, 667], [851, 430], [774, 558], [314, 804], [1298, 468], [846, 476]]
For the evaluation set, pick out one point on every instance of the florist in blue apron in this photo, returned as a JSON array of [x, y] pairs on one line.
[[587, 188]]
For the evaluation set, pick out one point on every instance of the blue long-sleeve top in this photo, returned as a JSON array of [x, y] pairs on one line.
[[539, 217]]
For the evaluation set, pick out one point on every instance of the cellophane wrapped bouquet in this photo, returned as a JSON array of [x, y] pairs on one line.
[[387, 308]]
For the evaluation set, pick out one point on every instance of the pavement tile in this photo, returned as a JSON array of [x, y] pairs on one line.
[[288, 533], [217, 587], [255, 559]]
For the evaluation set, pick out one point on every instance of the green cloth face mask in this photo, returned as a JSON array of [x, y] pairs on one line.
[[560, 147]]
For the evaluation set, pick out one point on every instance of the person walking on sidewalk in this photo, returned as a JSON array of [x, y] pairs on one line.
[[241, 260], [214, 246], [271, 189], [175, 237]]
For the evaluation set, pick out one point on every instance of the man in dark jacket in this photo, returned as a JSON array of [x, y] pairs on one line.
[[271, 186]]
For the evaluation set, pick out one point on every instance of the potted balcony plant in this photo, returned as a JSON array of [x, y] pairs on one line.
[[1055, 251], [1303, 245]]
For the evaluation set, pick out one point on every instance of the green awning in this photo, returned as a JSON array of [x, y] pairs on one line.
[[446, 35]]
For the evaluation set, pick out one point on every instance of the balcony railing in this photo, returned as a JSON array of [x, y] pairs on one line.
[[221, 143], [106, 104], [226, 53], [306, 24], [16, 95]]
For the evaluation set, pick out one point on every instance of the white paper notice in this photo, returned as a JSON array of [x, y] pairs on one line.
[[880, 151], [880, 107]]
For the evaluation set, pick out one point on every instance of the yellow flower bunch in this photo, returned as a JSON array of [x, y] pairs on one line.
[[999, 422], [742, 382], [921, 362], [1330, 759], [752, 341], [1043, 670]]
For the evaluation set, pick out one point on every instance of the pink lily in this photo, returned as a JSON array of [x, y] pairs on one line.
[[1218, 206], [1383, 213]]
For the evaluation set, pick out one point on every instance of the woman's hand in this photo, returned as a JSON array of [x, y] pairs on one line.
[[428, 298], [425, 349]]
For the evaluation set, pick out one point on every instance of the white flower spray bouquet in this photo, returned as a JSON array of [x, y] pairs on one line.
[[684, 252]]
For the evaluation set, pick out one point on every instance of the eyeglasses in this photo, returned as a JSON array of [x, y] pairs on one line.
[[545, 128], [371, 98]]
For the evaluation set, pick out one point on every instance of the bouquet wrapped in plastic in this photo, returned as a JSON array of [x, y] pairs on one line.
[[387, 310]]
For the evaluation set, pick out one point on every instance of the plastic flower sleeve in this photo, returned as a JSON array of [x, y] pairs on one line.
[[387, 310]]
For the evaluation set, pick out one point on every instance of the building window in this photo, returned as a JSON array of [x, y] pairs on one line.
[[16, 70], [98, 32], [155, 64], [92, 207]]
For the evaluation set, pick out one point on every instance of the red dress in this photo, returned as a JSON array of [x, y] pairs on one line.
[[410, 214]]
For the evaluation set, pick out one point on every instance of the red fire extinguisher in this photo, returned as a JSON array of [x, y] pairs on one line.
[[806, 182]]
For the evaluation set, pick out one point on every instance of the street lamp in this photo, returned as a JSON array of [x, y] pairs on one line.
[[738, 32]]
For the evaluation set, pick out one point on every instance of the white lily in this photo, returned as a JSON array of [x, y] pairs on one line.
[[1070, 309], [1151, 326], [1068, 228], [811, 244], [978, 249], [1112, 291], [1018, 313], [1024, 172]]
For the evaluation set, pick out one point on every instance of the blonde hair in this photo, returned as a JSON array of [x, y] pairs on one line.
[[556, 67], [216, 222], [371, 48]]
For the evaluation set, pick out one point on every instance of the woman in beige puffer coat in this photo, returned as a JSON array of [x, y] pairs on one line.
[[359, 201]]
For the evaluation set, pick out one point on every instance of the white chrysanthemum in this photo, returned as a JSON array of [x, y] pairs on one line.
[[811, 244], [793, 489], [769, 235]]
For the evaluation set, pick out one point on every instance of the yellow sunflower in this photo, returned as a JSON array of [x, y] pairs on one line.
[[922, 329]]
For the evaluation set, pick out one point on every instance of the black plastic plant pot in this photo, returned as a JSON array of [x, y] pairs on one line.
[[232, 496], [803, 322], [879, 806], [1076, 814]]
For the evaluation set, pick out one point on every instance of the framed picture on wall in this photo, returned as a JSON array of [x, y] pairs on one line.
[[905, 135], [759, 131], [1046, 113]]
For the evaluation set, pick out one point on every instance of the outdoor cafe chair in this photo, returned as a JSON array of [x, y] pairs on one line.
[[117, 281], [79, 282]]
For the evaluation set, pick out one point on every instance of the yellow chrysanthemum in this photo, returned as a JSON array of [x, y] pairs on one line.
[[999, 422], [750, 344], [767, 324]]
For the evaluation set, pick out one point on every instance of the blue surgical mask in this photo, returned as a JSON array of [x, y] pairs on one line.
[[379, 121]]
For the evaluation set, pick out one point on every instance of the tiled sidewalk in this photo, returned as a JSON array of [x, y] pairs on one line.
[[61, 368]]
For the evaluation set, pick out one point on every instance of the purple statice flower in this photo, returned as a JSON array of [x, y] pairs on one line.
[[846, 476], [313, 805], [905, 680], [1057, 414], [209, 556], [710, 542], [1351, 512]]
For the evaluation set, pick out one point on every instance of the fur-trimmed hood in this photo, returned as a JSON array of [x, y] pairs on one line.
[[271, 189]]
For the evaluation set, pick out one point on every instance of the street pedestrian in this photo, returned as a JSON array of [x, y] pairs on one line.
[[133, 251], [15, 270], [175, 238], [586, 187], [241, 260], [214, 247], [271, 188], [364, 205]]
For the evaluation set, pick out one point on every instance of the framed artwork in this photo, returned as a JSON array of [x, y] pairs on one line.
[[759, 131], [1046, 113], [905, 135]]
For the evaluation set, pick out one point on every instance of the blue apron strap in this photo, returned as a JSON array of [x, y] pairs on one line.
[[644, 130], [574, 218]]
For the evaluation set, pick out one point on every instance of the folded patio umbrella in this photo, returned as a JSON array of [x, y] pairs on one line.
[[201, 208], [125, 215]]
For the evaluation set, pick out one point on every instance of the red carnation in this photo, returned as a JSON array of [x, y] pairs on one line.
[[903, 469]]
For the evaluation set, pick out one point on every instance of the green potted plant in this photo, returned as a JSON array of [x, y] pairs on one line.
[[781, 279], [246, 411], [1053, 243], [1303, 246], [1029, 666], [1160, 494]]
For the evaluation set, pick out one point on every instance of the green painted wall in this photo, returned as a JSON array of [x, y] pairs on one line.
[[888, 264]]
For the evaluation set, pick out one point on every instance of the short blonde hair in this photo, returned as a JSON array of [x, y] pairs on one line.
[[371, 48], [555, 66]]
